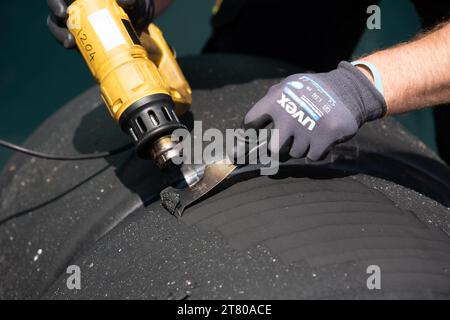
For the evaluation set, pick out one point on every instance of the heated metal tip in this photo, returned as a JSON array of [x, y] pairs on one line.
[[192, 174], [163, 150]]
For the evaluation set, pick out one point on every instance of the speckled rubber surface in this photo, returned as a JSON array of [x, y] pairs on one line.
[[310, 232]]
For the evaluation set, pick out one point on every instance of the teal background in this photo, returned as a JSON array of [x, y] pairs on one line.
[[37, 76]]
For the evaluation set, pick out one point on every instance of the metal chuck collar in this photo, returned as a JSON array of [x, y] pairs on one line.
[[151, 121]]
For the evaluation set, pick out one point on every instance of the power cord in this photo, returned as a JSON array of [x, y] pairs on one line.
[[42, 155]]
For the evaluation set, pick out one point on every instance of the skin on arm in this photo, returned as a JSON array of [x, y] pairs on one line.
[[415, 74]]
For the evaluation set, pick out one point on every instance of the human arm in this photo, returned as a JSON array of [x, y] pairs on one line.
[[415, 74], [315, 111]]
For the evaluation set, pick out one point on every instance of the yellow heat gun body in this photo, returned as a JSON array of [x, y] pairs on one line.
[[140, 81]]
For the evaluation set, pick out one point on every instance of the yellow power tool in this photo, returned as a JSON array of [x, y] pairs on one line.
[[140, 80]]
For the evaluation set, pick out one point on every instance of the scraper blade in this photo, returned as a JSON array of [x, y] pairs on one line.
[[176, 200]]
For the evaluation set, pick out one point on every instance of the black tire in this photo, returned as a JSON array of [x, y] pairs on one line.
[[310, 232]]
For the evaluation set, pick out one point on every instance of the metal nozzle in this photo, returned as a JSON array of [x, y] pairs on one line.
[[192, 173], [163, 150]]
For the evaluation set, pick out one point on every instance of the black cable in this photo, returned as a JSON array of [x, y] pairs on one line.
[[42, 155]]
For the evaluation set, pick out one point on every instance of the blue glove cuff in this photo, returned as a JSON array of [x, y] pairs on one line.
[[375, 74]]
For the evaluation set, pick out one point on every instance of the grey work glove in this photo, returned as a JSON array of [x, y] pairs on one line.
[[140, 12], [315, 111]]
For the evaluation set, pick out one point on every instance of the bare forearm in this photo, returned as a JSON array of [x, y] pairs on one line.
[[416, 74], [161, 6]]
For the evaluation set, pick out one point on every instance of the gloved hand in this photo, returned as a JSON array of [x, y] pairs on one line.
[[315, 111], [140, 12]]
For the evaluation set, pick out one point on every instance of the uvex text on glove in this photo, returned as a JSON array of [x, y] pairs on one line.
[[140, 80], [315, 111]]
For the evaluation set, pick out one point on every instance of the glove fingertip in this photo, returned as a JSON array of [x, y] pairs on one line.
[[249, 118], [257, 121], [58, 8], [313, 157], [69, 42], [316, 154], [61, 34], [258, 113], [299, 148], [54, 29]]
